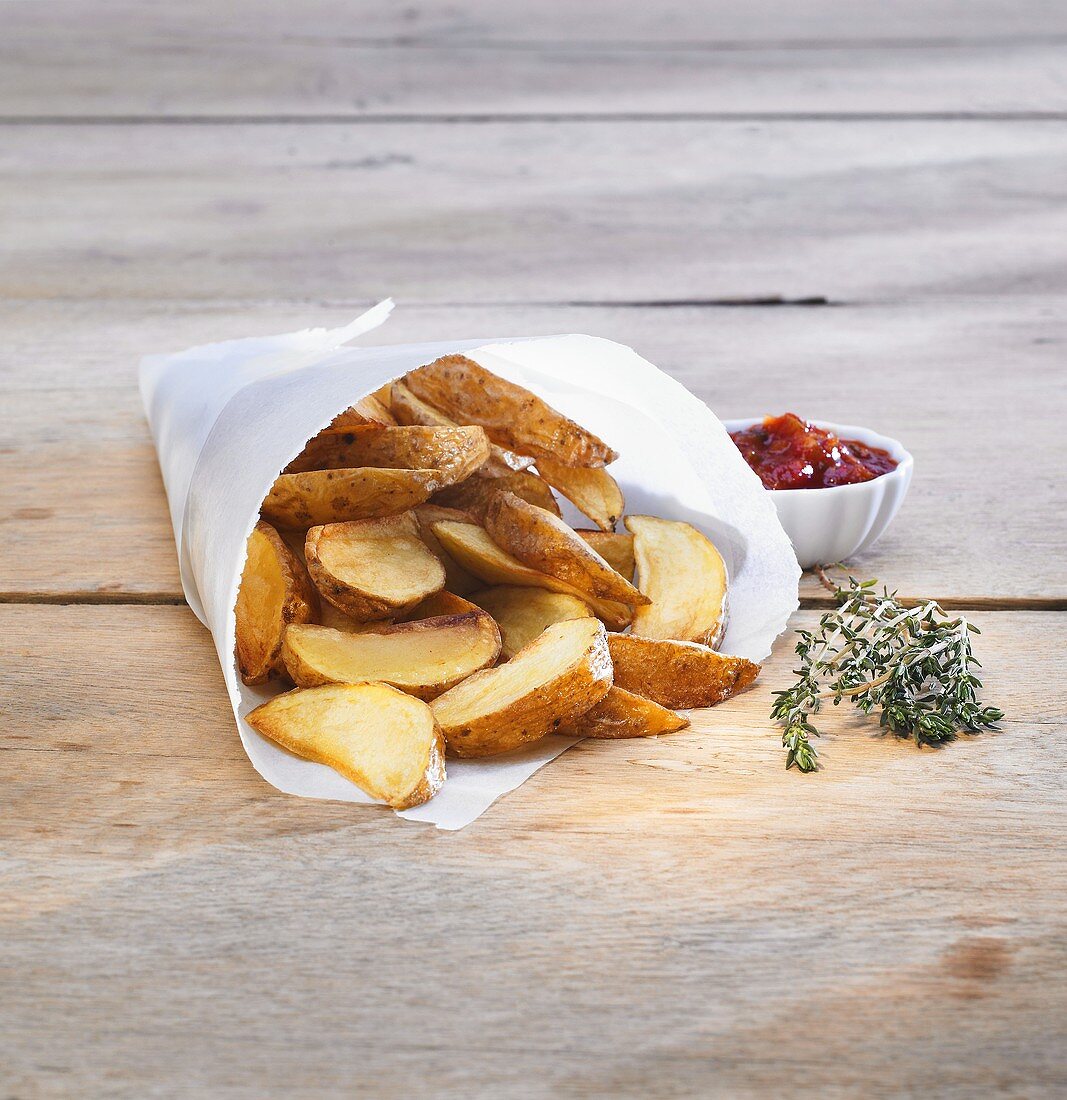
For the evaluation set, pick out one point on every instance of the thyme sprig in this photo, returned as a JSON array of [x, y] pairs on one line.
[[914, 665]]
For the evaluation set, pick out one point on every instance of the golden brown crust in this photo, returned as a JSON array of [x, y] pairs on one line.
[[409, 409], [678, 674], [474, 494], [592, 490], [513, 417], [623, 714], [471, 546], [455, 453], [368, 410], [559, 676], [371, 591], [615, 547], [333, 496], [545, 543], [261, 629], [473, 635]]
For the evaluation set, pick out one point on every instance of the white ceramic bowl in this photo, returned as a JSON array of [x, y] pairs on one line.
[[828, 525]]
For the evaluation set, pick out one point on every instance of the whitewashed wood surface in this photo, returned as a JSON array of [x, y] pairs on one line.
[[666, 918]]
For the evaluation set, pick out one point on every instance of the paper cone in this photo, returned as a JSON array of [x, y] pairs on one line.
[[227, 418]]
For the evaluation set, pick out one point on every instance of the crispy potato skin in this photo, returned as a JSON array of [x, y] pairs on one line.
[[622, 714], [560, 691], [280, 720], [261, 630], [471, 546], [678, 674], [477, 628], [440, 603], [409, 409], [455, 453], [334, 496], [616, 548], [545, 543], [592, 490], [473, 495], [365, 603], [513, 417]]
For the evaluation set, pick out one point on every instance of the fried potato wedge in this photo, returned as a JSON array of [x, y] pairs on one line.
[[523, 614], [592, 490], [474, 494], [423, 658], [334, 496], [544, 542], [409, 409], [275, 591], [455, 453], [546, 685], [368, 410], [457, 579], [440, 603], [678, 674], [616, 548], [336, 619], [472, 547], [372, 568], [622, 714], [383, 740], [684, 576], [512, 416]]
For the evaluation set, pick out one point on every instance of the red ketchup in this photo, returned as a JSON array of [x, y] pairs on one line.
[[790, 453]]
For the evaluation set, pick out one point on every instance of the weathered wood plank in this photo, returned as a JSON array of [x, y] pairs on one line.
[[966, 386], [575, 211], [560, 22], [134, 70], [691, 918]]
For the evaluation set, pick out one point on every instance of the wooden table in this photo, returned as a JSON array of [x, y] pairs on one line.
[[853, 211]]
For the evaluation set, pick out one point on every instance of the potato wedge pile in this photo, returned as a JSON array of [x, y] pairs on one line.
[[412, 576]]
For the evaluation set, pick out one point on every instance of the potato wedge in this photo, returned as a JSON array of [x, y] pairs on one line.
[[336, 619], [457, 579], [472, 547], [275, 591], [368, 410], [616, 548], [549, 684], [423, 658], [622, 714], [334, 496], [592, 490], [678, 674], [372, 568], [523, 614], [440, 603], [474, 494], [383, 740], [512, 416], [455, 453], [683, 574], [545, 543], [409, 409]]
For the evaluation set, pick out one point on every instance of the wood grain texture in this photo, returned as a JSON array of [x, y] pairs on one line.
[[136, 69], [559, 22], [962, 384], [681, 916], [572, 211]]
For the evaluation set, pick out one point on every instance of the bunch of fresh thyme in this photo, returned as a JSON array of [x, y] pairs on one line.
[[913, 664]]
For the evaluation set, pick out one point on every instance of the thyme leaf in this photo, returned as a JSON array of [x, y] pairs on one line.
[[914, 666]]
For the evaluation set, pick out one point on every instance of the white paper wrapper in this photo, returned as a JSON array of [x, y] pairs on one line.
[[226, 418]]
